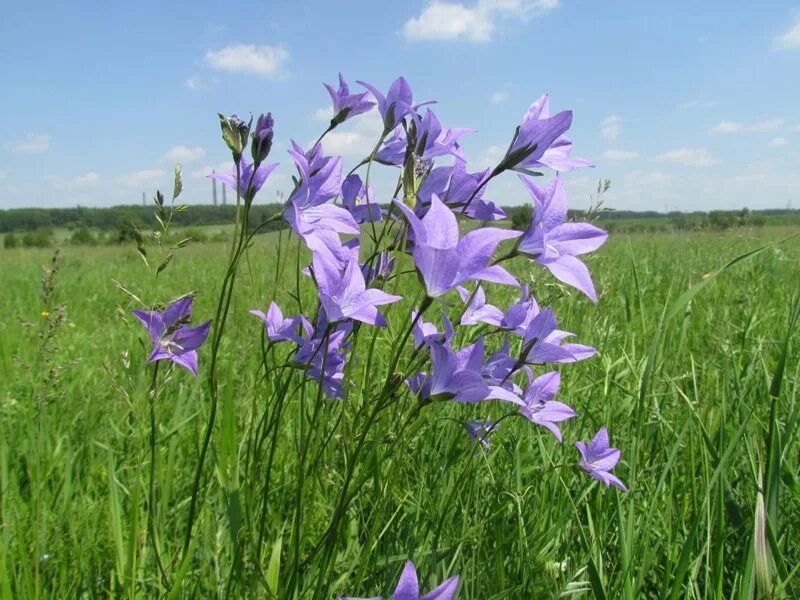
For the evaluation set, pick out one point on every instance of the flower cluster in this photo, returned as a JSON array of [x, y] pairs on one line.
[[420, 226]]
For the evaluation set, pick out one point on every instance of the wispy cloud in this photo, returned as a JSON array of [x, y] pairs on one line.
[[183, 155], [86, 180], [197, 83], [727, 127], [498, 97], [610, 127], [619, 155], [264, 61], [688, 157], [789, 39], [778, 142], [323, 114], [444, 21], [147, 177], [33, 142]]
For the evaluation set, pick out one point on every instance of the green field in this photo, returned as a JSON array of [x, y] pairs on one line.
[[685, 389]]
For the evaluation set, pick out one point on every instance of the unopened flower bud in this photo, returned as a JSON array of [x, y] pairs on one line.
[[235, 133], [262, 138]]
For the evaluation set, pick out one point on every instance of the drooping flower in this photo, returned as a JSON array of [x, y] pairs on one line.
[[345, 104], [597, 459], [555, 244], [343, 294], [539, 406], [172, 337], [443, 260], [279, 329], [481, 430], [408, 588], [250, 180]]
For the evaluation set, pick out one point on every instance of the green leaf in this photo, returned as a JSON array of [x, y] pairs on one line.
[[164, 263], [274, 567]]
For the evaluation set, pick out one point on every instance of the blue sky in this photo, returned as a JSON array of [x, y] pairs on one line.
[[684, 105]]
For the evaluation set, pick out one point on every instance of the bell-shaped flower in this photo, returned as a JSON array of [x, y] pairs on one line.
[[554, 243], [278, 328], [250, 180], [444, 260], [343, 294], [478, 311], [172, 338], [345, 104], [408, 588], [359, 201], [538, 404], [479, 431], [395, 105], [597, 459], [425, 333], [324, 358], [455, 186]]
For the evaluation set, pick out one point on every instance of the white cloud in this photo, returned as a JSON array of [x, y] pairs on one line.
[[491, 156], [33, 142], [778, 142], [265, 61], [147, 177], [197, 83], [790, 39], [498, 97], [691, 104], [610, 127], [728, 127], [619, 155], [183, 155], [689, 157], [739, 127], [204, 172], [323, 114], [454, 21], [86, 180]]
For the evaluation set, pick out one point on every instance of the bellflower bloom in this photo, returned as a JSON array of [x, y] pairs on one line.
[[345, 104], [539, 347], [481, 430], [381, 270], [556, 156], [539, 406], [343, 295], [310, 356], [358, 200], [395, 105], [172, 338], [443, 260], [457, 376], [598, 459], [555, 244], [279, 329], [426, 333], [478, 310], [454, 186], [250, 180], [534, 137], [432, 140], [408, 588]]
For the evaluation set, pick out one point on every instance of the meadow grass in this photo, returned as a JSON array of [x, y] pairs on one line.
[[699, 391]]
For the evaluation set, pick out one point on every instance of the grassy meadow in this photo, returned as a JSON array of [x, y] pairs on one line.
[[701, 393]]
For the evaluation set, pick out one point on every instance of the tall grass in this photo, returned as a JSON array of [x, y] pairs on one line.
[[698, 385]]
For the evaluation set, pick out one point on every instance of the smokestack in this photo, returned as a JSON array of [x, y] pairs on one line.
[[224, 199], [214, 188], [144, 199]]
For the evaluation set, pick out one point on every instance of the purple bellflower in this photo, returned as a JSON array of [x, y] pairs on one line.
[[539, 406], [534, 137], [454, 186], [426, 333], [555, 244], [343, 295], [395, 105], [250, 180], [262, 138], [345, 104], [478, 311], [329, 352], [598, 459], [443, 260], [358, 200], [481, 430], [172, 338], [556, 156], [432, 140], [279, 329], [408, 588]]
